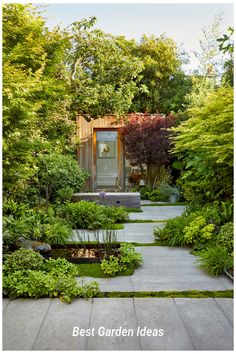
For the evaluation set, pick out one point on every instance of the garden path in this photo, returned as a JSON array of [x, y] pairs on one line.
[[187, 323]]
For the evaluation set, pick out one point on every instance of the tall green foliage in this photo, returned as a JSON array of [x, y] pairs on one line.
[[204, 143], [35, 98], [103, 77], [162, 84]]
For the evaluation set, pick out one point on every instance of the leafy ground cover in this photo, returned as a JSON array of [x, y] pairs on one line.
[[27, 274], [208, 231], [95, 271]]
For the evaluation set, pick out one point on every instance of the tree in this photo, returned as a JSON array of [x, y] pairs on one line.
[[35, 94], [147, 142], [208, 75], [103, 77], [226, 45], [58, 176], [204, 145], [163, 84]]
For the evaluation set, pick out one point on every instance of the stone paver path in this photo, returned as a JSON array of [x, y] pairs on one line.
[[165, 269], [158, 212], [187, 324]]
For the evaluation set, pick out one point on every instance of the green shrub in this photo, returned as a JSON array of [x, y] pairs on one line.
[[60, 266], [129, 258], [173, 231], [35, 224], [215, 259], [144, 192], [198, 232], [196, 227], [111, 266], [162, 193], [116, 214], [27, 274], [29, 283], [90, 215], [55, 171], [23, 260], [226, 237]]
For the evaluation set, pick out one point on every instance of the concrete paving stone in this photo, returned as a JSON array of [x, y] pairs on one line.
[[161, 314], [56, 332], [167, 278], [112, 314], [162, 271], [228, 284], [22, 320], [227, 306], [176, 286], [5, 303], [112, 284], [206, 325], [158, 213]]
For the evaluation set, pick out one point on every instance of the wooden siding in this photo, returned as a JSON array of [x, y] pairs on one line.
[[86, 155]]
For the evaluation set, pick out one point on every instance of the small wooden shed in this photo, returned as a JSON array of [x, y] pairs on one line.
[[102, 154]]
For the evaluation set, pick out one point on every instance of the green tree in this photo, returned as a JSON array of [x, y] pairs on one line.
[[226, 45], [163, 84], [103, 77], [204, 145], [35, 94]]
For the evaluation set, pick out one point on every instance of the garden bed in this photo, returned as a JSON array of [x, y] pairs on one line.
[[81, 253]]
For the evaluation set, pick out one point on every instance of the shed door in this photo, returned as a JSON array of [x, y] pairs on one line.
[[107, 158]]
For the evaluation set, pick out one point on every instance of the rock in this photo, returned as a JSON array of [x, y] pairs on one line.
[[34, 245]]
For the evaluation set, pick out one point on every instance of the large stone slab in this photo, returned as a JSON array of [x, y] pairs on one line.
[[206, 324], [22, 320], [112, 314], [227, 306], [111, 284], [56, 332], [162, 314], [158, 212], [165, 269], [126, 199], [5, 303]]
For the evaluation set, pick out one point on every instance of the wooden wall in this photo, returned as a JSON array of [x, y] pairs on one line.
[[85, 153]]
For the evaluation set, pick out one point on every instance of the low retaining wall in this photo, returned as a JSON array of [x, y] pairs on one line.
[[129, 200]]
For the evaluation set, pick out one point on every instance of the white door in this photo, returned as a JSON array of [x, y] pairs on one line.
[[107, 158]]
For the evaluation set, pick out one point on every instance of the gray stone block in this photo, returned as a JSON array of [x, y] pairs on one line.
[[112, 314], [126, 199], [5, 303], [56, 332], [227, 306], [22, 320], [206, 324], [162, 314]]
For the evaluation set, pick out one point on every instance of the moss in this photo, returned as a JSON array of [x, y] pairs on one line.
[[134, 210], [116, 227], [169, 294], [94, 270]]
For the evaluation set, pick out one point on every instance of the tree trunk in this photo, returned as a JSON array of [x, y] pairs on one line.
[[154, 175]]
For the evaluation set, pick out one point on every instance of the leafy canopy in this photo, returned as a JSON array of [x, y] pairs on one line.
[[204, 143]]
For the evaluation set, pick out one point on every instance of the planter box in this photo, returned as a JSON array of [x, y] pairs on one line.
[[126, 199]]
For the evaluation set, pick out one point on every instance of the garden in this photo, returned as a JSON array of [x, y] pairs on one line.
[[184, 154]]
